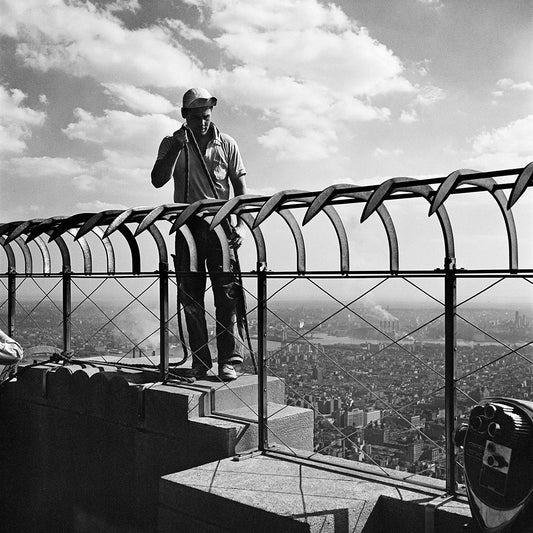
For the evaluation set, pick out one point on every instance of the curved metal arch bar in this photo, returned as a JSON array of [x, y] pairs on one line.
[[134, 248], [160, 243], [379, 195], [118, 221], [347, 190], [43, 227], [391, 185], [89, 224], [520, 185], [191, 245], [15, 235], [259, 240], [99, 219], [455, 179], [108, 246], [447, 186], [63, 250], [11, 264], [275, 201], [236, 204], [160, 212], [226, 262], [85, 250], [45, 254], [18, 230], [298, 236], [194, 209], [206, 206], [229, 207], [26, 252], [69, 223], [6, 227], [342, 237], [166, 212]]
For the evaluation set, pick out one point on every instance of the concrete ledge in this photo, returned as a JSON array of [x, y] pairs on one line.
[[256, 494], [287, 426]]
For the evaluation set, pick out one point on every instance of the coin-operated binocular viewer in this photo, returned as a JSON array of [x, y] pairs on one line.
[[498, 461]]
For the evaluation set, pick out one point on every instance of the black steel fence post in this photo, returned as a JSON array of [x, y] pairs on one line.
[[261, 355], [11, 301], [163, 321], [450, 348], [67, 310]]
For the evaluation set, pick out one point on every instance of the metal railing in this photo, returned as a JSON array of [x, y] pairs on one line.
[[87, 230]]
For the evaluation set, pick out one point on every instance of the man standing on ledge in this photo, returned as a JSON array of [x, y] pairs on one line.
[[222, 160]]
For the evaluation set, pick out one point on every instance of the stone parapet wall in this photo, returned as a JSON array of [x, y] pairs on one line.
[[85, 447]]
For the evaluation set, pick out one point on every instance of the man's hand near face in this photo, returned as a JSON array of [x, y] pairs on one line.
[[180, 137]]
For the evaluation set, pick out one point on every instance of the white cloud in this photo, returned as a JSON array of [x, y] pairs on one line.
[[435, 4], [83, 40], [505, 147], [188, 33], [129, 146], [45, 167], [507, 83], [306, 41], [137, 99], [131, 136], [301, 65], [429, 95], [312, 144], [409, 116], [383, 152], [305, 66], [16, 121], [85, 182], [97, 206], [124, 5]]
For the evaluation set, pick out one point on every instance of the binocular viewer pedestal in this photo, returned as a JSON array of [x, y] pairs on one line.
[[498, 461]]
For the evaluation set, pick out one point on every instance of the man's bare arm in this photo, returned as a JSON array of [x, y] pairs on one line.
[[239, 185], [162, 170]]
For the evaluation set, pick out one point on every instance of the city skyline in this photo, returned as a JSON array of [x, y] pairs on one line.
[[379, 399]]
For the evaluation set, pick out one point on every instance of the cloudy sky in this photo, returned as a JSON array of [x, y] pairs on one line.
[[314, 92]]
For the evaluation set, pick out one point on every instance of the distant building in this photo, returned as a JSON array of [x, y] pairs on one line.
[[372, 416], [417, 422], [414, 451], [354, 418], [325, 407], [318, 373], [376, 436]]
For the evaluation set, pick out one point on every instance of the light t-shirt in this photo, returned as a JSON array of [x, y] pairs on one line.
[[223, 161]]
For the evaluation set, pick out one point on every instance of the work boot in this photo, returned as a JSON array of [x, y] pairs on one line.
[[226, 372]]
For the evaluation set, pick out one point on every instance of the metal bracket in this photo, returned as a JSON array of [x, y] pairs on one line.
[[430, 511], [250, 454]]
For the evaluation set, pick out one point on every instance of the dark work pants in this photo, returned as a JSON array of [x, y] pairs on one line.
[[226, 291]]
